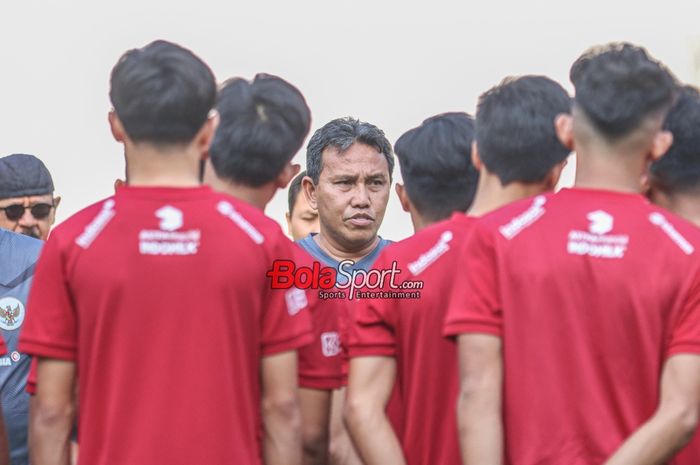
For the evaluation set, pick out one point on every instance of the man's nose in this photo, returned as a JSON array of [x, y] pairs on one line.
[[27, 218], [360, 198]]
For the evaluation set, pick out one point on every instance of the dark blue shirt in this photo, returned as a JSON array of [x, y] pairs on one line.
[[18, 256]]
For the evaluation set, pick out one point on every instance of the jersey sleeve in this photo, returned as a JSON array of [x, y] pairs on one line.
[[372, 329], [50, 329], [685, 335], [474, 304], [285, 321], [31, 379], [3, 347]]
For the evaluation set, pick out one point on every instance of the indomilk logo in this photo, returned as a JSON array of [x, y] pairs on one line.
[[167, 240], [596, 242]]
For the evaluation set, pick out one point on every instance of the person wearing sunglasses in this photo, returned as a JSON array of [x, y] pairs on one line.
[[27, 202]]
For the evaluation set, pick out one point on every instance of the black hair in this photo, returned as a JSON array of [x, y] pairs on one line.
[[436, 166], [341, 133], [263, 125], [515, 131], [679, 169], [162, 93], [294, 190], [618, 86]]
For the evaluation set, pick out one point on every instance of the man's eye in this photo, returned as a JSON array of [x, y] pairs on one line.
[[378, 182], [343, 182]]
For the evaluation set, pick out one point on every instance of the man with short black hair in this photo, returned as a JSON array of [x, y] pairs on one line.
[[263, 125], [402, 338], [674, 183], [165, 374], [302, 220], [579, 312], [27, 202]]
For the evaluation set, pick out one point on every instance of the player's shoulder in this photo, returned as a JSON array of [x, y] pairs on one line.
[[681, 232], [448, 231], [514, 218], [86, 221], [19, 252], [248, 219]]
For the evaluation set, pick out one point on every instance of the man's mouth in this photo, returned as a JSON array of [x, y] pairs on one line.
[[360, 219]]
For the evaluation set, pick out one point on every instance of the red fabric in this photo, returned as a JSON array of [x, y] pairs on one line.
[[591, 292], [167, 347], [31, 378], [410, 330], [320, 363]]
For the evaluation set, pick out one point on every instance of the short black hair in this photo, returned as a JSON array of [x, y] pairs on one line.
[[618, 86], [162, 93], [515, 132], [436, 166], [679, 169], [294, 190], [263, 125], [341, 133]]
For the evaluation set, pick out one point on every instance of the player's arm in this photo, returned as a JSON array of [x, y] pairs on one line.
[[480, 398], [674, 421], [280, 409], [370, 385], [52, 413], [315, 414]]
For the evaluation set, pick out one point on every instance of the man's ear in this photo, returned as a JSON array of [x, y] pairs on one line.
[[288, 172], [56, 203], [476, 159], [307, 185], [564, 127], [552, 178], [288, 217], [403, 197], [660, 144], [116, 126], [205, 136]]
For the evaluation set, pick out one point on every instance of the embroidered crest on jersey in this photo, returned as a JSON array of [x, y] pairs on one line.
[[596, 242], [95, 227], [11, 313], [168, 240], [428, 258], [660, 220], [330, 344], [296, 300], [525, 219], [226, 209]]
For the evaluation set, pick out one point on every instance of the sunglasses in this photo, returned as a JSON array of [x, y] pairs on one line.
[[39, 211]]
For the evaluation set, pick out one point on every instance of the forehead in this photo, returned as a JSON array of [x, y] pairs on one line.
[[358, 160], [28, 200]]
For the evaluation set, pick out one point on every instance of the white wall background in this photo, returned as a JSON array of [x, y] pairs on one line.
[[390, 63]]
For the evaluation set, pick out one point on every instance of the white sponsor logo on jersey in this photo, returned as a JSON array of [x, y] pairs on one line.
[[226, 209], [168, 240], [296, 300], [95, 227], [11, 313], [525, 219], [660, 220], [330, 344], [429, 257], [596, 242]]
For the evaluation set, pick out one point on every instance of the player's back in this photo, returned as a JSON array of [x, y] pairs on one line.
[[173, 312], [410, 329], [594, 288]]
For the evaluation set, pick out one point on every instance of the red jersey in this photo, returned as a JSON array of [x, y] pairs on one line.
[[320, 363], [160, 296], [591, 291], [410, 330]]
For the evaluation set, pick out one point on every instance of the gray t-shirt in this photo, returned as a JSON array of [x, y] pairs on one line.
[[18, 255]]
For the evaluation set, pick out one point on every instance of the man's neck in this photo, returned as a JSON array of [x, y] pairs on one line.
[[341, 253], [259, 197], [620, 172], [149, 166], [491, 195]]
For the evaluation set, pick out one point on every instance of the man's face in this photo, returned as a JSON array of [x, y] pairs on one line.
[[351, 195], [303, 220], [24, 222]]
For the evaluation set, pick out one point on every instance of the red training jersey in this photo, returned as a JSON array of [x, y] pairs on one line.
[[590, 291], [160, 296], [410, 330]]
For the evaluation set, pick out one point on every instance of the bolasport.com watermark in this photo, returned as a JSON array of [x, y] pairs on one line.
[[344, 282]]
